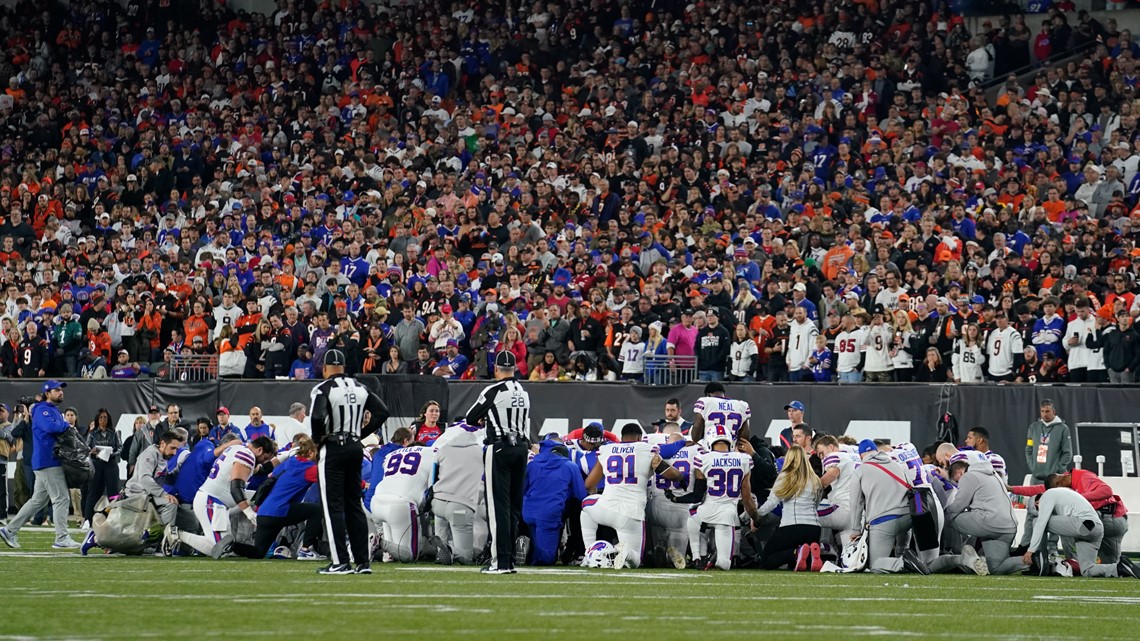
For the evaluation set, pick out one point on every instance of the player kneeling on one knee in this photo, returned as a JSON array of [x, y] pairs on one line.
[[396, 506], [225, 489], [722, 479], [628, 468]]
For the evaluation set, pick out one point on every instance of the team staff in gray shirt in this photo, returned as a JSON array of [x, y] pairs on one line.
[[878, 502], [1062, 511], [980, 508], [150, 470], [458, 485]]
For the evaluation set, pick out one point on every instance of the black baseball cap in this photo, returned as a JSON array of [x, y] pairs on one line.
[[334, 357], [505, 360]]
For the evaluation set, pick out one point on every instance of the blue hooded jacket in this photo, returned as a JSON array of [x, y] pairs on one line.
[[552, 480], [47, 424]]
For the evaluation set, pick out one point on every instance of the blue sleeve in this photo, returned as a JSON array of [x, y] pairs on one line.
[[577, 483], [669, 450], [661, 248], [54, 422]]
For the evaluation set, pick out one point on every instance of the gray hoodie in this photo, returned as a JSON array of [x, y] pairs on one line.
[[1055, 436], [875, 494], [980, 490], [150, 470], [460, 460]]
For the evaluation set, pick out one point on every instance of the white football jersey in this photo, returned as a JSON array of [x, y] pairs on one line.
[[840, 493], [999, 465], [217, 484], [407, 473], [683, 461], [723, 417], [724, 472], [627, 470], [907, 454]]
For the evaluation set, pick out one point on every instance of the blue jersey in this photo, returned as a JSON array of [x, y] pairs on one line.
[[194, 470], [377, 471], [1047, 335], [355, 269], [294, 476], [254, 431]]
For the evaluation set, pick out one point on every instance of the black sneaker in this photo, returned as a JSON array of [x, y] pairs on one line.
[[339, 568], [660, 558], [1019, 550], [363, 568], [1125, 567], [443, 554], [1042, 564], [914, 564]]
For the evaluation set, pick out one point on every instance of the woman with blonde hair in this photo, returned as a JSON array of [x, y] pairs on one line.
[[901, 358], [279, 501], [796, 542]]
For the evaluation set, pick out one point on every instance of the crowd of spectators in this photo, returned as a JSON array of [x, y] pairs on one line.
[[583, 183]]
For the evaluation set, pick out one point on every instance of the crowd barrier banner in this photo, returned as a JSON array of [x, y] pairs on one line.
[[898, 412]]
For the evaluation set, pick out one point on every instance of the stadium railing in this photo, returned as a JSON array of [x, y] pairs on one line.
[[193, 367], [670, 370]]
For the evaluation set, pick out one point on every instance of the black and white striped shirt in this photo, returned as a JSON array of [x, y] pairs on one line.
[[338, 407], [504, 409]]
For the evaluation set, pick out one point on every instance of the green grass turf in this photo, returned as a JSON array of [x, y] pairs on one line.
[[50, 595]]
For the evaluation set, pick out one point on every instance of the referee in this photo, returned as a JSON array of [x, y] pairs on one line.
[[504, 409], [338, 413]]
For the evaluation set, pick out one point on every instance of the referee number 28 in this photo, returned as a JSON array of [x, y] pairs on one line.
[[518, 401]]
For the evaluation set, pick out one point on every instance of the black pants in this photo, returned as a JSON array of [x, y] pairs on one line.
[[104, 482], [339, 472], [1079, 375], [505, 470], [781, 548], [268, 527]]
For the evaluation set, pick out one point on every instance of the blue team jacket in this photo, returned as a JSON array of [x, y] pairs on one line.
[[294, 476], [194, 470], [47, 424], [551, 481]]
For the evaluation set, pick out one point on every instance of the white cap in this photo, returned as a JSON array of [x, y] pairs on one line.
[[799, 287]]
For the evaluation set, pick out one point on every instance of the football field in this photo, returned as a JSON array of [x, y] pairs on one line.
[[56, 595]]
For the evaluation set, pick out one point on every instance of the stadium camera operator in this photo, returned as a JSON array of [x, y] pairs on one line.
[[47, 424]]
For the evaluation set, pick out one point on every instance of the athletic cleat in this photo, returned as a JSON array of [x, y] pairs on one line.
[[9, 539], [620, 553], [675, 557], [222, 547], [339, 568], [522, 550], [88, 543], [281, 552], [1125, 567], [491, 570], [660, 560], [305, 554], [975, 562], [816, 558], [443, 554], [914, 564], [66, 544], [169, 540], [375, 545], [363, 568], [802, 555]]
